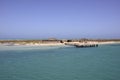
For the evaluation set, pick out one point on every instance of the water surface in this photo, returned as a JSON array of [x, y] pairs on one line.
[[61, 63]]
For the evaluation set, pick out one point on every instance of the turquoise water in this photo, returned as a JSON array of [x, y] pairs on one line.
[[67, 63]]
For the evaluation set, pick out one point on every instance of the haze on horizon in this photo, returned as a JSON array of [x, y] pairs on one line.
[[37, 19]]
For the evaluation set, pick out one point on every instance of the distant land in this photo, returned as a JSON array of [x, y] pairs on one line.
[[54, 42]]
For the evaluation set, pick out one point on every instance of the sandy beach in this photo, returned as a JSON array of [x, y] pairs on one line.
[[58, 44], [53, 43]]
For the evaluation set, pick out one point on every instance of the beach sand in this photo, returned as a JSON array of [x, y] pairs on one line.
[[14, 46]]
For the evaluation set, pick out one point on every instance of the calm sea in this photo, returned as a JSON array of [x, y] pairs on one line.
[[61, 63]]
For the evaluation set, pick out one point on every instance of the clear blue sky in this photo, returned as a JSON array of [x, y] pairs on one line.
[[37, 19]]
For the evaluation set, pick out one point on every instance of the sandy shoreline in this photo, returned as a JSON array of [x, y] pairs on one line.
[[58, 44], [110, 42], [50, 44], [32, 46], [41, 46]]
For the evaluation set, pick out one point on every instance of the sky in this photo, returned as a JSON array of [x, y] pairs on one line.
[[40, 19]]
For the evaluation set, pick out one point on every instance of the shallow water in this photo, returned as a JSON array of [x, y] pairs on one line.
[[61, 63]]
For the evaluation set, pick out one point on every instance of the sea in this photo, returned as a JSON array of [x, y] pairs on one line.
[[60, 63]]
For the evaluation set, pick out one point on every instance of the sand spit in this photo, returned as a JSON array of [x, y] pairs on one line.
[[55, 42]]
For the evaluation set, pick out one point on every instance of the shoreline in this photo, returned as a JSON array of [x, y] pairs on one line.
[[110, 42], [57, 44], [44, 46]]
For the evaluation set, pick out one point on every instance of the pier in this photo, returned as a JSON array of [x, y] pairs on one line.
[[82, 45], [86, 45]]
